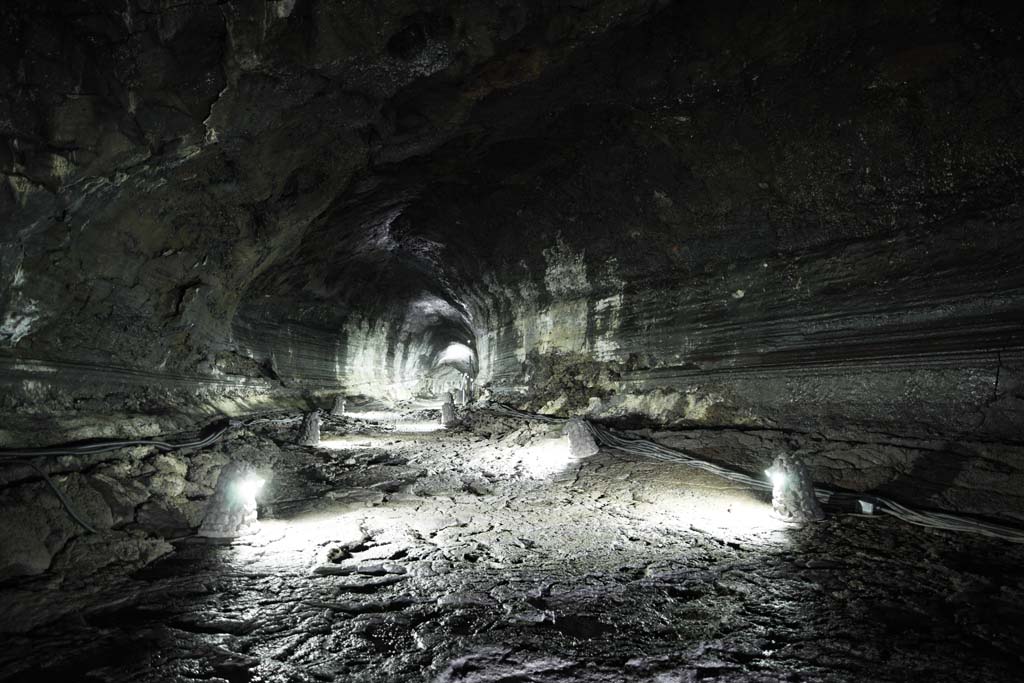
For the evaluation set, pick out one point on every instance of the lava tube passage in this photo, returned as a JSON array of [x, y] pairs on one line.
[[533, 342]]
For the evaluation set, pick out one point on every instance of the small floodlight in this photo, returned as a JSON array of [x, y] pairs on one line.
[[232, 509], [249, 487], [777, 478], [581, 439], [448, 416], [793, 497], [309, 430]]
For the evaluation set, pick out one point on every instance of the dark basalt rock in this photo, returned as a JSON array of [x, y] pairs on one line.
[[616, 570], [802, 219]]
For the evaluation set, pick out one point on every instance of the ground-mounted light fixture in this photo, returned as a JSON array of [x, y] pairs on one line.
[[231, 511], [448, 417], [581, 440], [309, 431], [548, 454], [793, 498], [338, 409]]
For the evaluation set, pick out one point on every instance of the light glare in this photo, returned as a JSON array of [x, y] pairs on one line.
[[777, 478], [249, 487], [417, 427], [374, 415], [546, 456], [458, 355]]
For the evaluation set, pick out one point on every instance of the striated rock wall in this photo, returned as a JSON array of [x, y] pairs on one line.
[[813, 230], [792, 217], [170, 175]]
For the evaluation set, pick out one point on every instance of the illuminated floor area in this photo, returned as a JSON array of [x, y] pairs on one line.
[[483, 554]]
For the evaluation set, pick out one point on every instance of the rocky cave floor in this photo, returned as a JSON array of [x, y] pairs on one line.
[[480, 553]]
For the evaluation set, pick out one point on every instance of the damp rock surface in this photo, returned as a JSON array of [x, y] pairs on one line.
[[496, 558]]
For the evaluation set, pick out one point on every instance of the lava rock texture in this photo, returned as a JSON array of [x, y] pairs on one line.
[[783, 220], [484, 555]]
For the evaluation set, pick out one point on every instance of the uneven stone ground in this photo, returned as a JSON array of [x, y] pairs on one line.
[[392, 553]]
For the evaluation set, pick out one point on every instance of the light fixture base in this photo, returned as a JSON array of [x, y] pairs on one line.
[[793, 498], [231, 511]]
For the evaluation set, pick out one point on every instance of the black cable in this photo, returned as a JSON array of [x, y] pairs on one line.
[[16, 457], [650, 449], [60, 495], [107, 446]]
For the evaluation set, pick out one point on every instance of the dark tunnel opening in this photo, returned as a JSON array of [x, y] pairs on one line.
[[538, 341]]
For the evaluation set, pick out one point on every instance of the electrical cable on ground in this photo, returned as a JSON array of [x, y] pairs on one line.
[[60, 496], [650, 449], [20, 457], [107, 446]]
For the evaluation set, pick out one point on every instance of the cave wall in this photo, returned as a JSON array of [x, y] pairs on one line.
[[161, 164], [812, 230], [805, 242], [782, 217]]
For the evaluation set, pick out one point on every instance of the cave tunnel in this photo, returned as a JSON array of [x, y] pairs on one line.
[[590, 340]]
